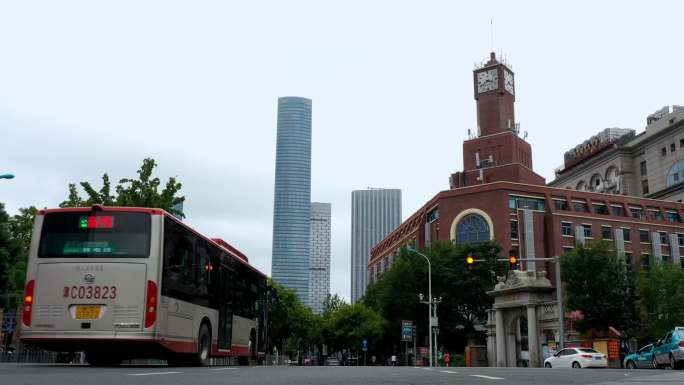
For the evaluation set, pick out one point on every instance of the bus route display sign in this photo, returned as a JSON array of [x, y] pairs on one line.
[[407, 331]]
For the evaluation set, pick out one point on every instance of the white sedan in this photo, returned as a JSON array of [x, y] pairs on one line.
[[577, 358]]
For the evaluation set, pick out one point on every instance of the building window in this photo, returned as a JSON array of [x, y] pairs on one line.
[[514, 229], [561, 204], [642, 167], [673, 217], [655, 214], [472, 228], [681, 143], [675, 174], [644, 186], [680, 239], [587, 230], [663, 238], [628, 259], [663, 151], [644, 236], [580, 206], [566, 228], [606, 232], [626, 235], [645, 262], [516, 202], [618, 211], [673, 148], [432, 216], [567, 250], [636, 212], [600, 208]]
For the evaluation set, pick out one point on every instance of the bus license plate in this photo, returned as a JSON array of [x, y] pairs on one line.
[[87, 312]]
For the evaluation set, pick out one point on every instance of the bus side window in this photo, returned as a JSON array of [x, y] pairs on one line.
[[179, 261]]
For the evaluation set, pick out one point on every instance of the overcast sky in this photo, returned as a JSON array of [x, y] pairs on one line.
[[92, 86]]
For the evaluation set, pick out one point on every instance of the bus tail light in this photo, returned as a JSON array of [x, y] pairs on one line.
[[27, 307], [681, 344], [151, 305]]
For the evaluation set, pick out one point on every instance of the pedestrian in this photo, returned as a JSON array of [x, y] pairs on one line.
[[373, 360], [447, 359], [394, 360]]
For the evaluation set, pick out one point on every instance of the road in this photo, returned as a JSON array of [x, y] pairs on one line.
[[31, 374]]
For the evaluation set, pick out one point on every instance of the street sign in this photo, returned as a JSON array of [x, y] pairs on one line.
[[407, 331], [8, 323], [364, 345]]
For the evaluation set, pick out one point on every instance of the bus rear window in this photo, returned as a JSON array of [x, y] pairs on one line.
[[99, 234]]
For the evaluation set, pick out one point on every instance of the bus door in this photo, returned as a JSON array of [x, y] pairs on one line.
[[225, 299]]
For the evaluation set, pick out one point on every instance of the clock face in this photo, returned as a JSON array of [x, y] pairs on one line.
[[487, 80], [508, 82]]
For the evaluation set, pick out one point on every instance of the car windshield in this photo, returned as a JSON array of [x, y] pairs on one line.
[[587, 350], [680, 333], [645, 348]]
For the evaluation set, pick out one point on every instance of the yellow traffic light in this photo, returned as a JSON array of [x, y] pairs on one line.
[[470, 260], [512, 260]]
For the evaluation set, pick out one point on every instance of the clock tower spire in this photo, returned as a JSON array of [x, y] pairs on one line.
[[497, 153], [495, 94]]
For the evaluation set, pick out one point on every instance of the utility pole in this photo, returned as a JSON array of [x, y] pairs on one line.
[[420, 296]]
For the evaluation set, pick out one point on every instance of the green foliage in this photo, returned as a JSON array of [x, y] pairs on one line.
[[291, 323], [661, 292], [333, 303], [10, 253], [140, 192], [600, 284], [463, 290], [348, 325]]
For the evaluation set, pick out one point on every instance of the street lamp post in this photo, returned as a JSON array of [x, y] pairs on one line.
[[429, 301]]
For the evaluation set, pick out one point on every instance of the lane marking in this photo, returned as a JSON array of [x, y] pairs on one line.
[[448, 371], [225, 369], [153, 374], [487, 377]]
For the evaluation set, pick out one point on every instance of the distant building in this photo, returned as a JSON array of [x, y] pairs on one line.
[[616, 161], [292, 203], [319, 256], [375, 213]]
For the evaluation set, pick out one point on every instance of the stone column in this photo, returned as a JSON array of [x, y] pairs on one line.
[[533, 336], [500, 339]]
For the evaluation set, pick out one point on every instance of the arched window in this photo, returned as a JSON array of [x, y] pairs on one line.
[[676, 173], [581, 186], [472, 228]]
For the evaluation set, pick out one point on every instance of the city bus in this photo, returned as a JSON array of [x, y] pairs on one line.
[[121, 283]]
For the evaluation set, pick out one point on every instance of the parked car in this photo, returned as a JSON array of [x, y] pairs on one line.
[[669, 351], [642, 359], [577, 358]]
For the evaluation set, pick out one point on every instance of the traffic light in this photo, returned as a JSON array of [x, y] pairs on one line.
[[512, 262], [470, 260]]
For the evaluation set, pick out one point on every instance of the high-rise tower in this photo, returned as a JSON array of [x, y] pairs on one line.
[[292, 203], [319, 258], [375, 213]]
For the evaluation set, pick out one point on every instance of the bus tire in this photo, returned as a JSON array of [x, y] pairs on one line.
[[203, 346], [96, 358]]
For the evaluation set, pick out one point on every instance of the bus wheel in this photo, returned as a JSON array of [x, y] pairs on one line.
[[203, 346], [102, 359]]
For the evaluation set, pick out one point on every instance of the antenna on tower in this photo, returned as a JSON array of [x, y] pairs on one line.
[[491, 35]]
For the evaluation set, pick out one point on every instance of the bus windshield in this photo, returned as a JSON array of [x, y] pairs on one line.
[[95, 234]]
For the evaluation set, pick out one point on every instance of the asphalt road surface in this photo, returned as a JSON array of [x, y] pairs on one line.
[[31, 374]]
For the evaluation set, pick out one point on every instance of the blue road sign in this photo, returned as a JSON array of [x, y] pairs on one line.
[[8, 324], [364, 345], [406, 330]]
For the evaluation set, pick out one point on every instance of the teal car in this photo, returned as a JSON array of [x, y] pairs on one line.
[[669, 351], [642, 359]]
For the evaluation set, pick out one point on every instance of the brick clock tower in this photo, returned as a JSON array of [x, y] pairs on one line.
[[497, 153]]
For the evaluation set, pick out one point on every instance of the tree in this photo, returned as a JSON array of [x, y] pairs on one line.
[[332, 303], [348, 325], [10, 249], [291, 324], [463, 290], [600, 284], [140, 192], [21, 229], [661, 299]]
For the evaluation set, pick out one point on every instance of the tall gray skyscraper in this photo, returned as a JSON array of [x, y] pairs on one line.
[[292, 203], [319, 258], [375, 213]]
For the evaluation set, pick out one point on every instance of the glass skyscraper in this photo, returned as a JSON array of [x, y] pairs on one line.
[[319, 259], [292, 203], [375, 213]]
